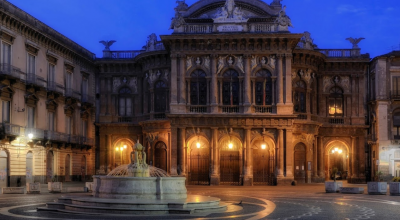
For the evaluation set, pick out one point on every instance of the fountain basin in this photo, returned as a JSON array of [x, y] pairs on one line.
[[155, 188]]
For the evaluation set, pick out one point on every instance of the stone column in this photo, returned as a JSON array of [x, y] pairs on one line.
[[110, 153], [273, 90], [174, 151], [361, 152], [288, 68], [181, 152], [321, 154], [354, 159], [280, 79], [289, 154], [214, 84], [280, 152], [215, 160], [174, 80], [248, 177], [315, 157], [247, 85], [182, 86]]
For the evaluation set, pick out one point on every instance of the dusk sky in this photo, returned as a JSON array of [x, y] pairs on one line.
[[129, 22]]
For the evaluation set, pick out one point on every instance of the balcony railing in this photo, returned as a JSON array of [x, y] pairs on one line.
[[263, 109], [52, 135], [37, 133], [70, 93], [88, 141], [9, 70], [32, 78], [336, 121], [343, 53], [14, 130], [198, 109], [159, 116], [302, 117], [73, 139], [230, 109]]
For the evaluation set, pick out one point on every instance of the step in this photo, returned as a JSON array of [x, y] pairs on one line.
[[352, 190]]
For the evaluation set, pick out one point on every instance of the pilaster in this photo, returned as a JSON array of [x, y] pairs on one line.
[[248, 176], [215, 178]]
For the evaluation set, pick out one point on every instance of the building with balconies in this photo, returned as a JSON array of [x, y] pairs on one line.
[[47, 105], [384, 114], [232, 97]]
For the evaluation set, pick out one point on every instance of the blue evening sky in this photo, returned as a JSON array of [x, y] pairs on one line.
[[129, 22]]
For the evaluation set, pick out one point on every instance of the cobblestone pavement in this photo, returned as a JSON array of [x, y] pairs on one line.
[[258, 202]]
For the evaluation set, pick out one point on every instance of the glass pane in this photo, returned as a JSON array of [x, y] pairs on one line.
[[226, 93], [31, 117], [6, 111], [6, 56], [68, 125], [259, 93], [203, 93], [122, 106], [339, 107], [332, 107], [128, 107], [194, 93]]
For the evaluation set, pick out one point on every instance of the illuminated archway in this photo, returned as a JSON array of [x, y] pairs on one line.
[[199, 160], [337, 155], [122, 150]]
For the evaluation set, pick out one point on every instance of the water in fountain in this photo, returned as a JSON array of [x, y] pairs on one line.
[[126, 169]]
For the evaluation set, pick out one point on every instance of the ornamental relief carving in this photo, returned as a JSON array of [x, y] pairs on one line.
[[305, 138], [341, 81]]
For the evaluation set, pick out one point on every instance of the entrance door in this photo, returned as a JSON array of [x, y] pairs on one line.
[[261, 169], [49, 166], [29, 167], [67, 168], [160, 160], [83, 168], [3, 169], [200, 166], [300, 163], [230, 167], [397, 168]]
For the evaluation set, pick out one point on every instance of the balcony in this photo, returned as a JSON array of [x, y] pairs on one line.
[[37, 133], [32, 78], [343, 53], [263, 109], [302, 117], [122, 54], [14, 130], [230, 109], [9, 70], [337, 121], [55, 87], [198, 109], [73, 139], [70, 93], [87, 141]]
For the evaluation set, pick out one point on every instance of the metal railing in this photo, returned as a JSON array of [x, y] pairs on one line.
[[336, 121], [14, 130], [9, 70], [341, 53], [32, 78], [263, 109], [159, 116], [55, 87], [37, 133], [125, 119], [198, 109], [261, 28]]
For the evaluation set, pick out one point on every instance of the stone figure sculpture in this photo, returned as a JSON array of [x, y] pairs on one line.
[[188, 62], [221, 64], [107, 44], [229, 12], [177, 21], [283, 20], [198, 61], [240, 63], [230, 60], [116, 84], [207, 62], [230, 7], [263, 61], [272, 61], [253, 62], [138, 166], [152, 77], [151, 42], [355, 41]]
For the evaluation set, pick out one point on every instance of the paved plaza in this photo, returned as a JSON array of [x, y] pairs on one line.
[[258, 202]]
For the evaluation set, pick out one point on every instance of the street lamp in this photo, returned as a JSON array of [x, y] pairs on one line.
[[30, 135], [337, 150], [263, 146]]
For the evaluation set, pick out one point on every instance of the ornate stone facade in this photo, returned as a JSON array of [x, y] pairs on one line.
[[270, 106]]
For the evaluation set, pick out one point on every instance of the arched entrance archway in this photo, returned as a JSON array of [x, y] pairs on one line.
[[199, 151], [300, 163], [29, 167], [230, 161], [3, 168], [337, 156], [49, 166], [122, 152], [160, 155], [67, 168], [263, 161]]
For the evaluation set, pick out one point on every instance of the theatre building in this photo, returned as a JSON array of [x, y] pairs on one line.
[[233, 97]]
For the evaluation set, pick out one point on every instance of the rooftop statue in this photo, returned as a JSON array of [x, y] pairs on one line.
[[177, 21], [355, 41], [283, 20], [276, 2], [229, 13], [107, 44], [151, 42], [181, 5]]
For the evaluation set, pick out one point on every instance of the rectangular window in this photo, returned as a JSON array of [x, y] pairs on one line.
[[31, 117], [50, 78], [84, 92], [68, 80], [396, 86], [6, 111], [51, 121], [68, 123], [6, 56], [31, 64]]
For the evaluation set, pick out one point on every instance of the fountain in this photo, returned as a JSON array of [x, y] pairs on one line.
[[137, 188]]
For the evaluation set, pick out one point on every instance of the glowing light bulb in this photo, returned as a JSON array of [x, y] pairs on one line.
[[125, 146], [30, 136], [340, 151], [263, 146], [198, 145], [117, 149], [333, 151], [336, 149], [230, 145]]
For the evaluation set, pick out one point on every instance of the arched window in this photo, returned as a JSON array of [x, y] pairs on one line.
[[336, 102], [198, 88], [263, 89], [160, 96], [230, 88], [299, 97], [125, 102]]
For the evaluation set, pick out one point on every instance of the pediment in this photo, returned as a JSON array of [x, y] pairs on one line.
[[250, 8]]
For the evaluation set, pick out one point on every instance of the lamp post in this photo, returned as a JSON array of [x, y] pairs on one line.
[[120, 149]]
